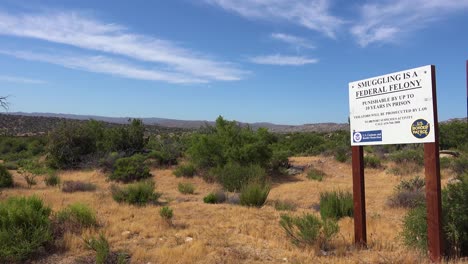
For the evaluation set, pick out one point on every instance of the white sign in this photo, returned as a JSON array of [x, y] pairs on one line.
[[395, 108]]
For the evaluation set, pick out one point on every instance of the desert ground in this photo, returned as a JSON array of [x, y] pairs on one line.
[[229, 233]]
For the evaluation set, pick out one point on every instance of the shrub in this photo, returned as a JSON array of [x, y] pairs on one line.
[[308, 229], [234, 176], [77, 186], [284, 205], [186, 188], [454, 221], [77, 215], [100, 246], [130, 169], [11, 165], [315, 174], [139, 193], [187, 170], [6, 180], [279, 159], [460, 164], [107, 163], [52, 179], [404, 169], [453, 135], [336, 204], [215, 197], [24, 228], [372, 162], [341, 154], [166, 213], [409, 155], [30, 180], [254, 194]]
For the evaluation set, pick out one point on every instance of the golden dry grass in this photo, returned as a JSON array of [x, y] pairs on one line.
[[225, 233]]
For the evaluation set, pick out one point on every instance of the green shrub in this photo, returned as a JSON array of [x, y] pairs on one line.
[[52, 179], [308, 229], [139, 193], [186, 188], [315, 174], [100, 246], [77, 186], [341, 154], [107, 163], [371, 161], [130, 169], [284, 205], [279, 159], [234, 176], [215, 197], [6, 180], [77, 214], [460, 165], [187, 170], [409, 155], [11, 165], [453, 135], [166, 213], [254, 194], [336, 204], [454, 221], [24, 228]]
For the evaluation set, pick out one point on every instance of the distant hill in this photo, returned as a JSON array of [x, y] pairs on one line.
[[191, 124]]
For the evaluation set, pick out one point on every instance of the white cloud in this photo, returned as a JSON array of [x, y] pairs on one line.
[[282, 60], [295, 41], [312, 14], [102, 64], [73, 29], [22, 80], [385, 21]]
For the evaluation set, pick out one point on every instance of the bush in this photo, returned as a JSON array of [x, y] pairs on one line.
[[279, 159], [234, 176], [24, 228], [130, 169], [107, 163], [77, 186], [77, 215], [315, 174], [404, 169], [254, 194], [166, 213], [284, 205], [186, 188], [52, 179], [460, 165], [454, 221], [100, 246], [372, 162], [187, 170], [11, 165], [453, 135], [308, 229], [215, 197], [336, 204], [6, 180], [409, 155], [341, 154], [139, 193]]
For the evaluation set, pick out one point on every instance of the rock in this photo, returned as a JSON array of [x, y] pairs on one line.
[[188, 239], [126, 233], [294, 171], [453, 180]]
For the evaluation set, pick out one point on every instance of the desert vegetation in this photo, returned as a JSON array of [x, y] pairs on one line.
[[222, 194]]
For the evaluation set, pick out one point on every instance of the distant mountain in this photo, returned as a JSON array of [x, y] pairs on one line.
[[194, 124]]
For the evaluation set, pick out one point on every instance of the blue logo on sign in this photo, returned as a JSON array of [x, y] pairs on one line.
[[367, 136]]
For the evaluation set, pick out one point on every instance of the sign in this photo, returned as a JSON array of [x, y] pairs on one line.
[[395, 108]]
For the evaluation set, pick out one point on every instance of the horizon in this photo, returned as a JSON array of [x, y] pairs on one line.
[[287, 63]]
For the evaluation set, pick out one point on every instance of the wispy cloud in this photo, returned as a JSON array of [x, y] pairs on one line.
[[295, 41], [312, 14], [282, 60], [102, 64], [22, 80], [72, 28], [385, 20]]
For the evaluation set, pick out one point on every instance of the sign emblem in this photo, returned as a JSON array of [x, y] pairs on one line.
[[420, 128]]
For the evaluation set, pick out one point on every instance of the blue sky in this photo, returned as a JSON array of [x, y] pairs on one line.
[[279, 61]]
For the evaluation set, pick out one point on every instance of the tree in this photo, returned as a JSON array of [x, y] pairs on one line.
[[4, 102]]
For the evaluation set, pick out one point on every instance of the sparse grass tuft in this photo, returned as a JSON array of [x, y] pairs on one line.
[[336, 204], [100, 246], [52, 179], [77, 215], [166, 213], [139, 193], [371, 161], [254, 194], [315, 174], [284, 205], [186, 188]]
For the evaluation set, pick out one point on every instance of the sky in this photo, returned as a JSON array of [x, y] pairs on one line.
[[279, 61]]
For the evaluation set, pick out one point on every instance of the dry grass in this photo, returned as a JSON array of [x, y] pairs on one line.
[[224, 233]]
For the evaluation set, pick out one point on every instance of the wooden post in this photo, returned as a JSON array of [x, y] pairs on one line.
[[433, 189], [360, 233], [467, 89]]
